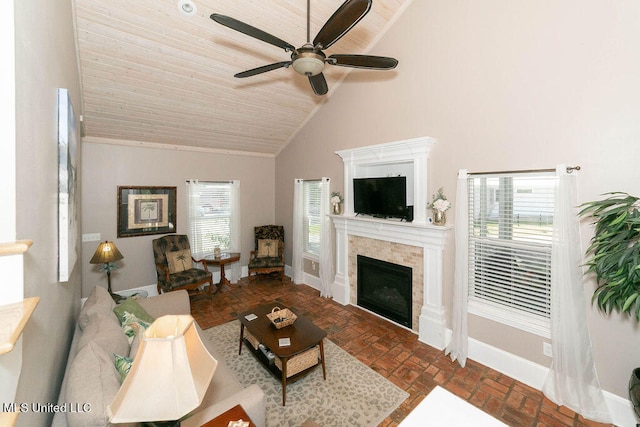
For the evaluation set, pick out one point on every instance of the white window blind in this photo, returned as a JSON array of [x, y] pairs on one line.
[[311, 217], [210, 219], [510, 236]]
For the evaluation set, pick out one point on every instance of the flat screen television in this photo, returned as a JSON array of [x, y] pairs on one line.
[[382, 197]]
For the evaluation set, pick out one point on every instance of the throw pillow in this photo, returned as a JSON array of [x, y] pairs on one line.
[[131, 325], [135, 344], [98, 302], [132, 317], [94, 381], [123, 365], [106, 332], [179, 261], [131, 305], [268, 248]]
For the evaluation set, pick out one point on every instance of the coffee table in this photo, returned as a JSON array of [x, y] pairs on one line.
[[306, 338]]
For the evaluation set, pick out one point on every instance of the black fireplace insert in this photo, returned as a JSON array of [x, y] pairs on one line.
[[385, 289]]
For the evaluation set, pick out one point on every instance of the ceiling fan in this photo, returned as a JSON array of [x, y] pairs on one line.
[[309, 60]]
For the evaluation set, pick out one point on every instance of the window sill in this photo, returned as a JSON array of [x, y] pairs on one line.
[[310, 257], [516, 319]]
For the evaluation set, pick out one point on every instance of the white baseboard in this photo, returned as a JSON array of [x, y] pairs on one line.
[[307, 279], [534, 375], [311, 280]]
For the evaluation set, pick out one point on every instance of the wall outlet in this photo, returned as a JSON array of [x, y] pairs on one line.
[[91, 237], [547, 350]]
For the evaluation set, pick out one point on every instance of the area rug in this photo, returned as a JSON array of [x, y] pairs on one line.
[[352, 395]]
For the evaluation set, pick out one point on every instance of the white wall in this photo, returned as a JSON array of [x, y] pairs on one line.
[[45, 60], [500, 85], [106, 166]]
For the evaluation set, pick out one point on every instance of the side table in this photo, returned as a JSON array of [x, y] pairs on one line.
[[222, 260], [234, 414]]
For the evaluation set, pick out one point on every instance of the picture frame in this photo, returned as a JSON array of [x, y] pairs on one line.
[[68, 199], [146, 210]]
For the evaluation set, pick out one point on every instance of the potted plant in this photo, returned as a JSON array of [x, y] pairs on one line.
[[614, 258], [615, 252]]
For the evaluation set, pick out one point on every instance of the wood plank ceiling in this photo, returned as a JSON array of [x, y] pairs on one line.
[[153, 75]]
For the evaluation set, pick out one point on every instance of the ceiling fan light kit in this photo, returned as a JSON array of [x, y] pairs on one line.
[[309, 60], [187, 7]]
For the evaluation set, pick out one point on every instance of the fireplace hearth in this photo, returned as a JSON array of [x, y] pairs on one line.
[[385, 289]]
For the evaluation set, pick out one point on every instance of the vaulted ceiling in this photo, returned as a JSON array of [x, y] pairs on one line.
[[154, 75]]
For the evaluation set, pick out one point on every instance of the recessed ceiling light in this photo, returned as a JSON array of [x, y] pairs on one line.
[[187, 7]]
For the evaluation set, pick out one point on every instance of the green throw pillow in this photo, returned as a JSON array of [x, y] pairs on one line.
[[132, 317], [131, 325], [123, 365], [132, 306]]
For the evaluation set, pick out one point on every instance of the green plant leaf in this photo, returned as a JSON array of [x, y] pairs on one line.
[[629, 301]]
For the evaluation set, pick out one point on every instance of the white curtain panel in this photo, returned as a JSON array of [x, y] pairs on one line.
[[193, 207], [326, 251], [236, 230], [458, 348], [297, 238], [572, 380]]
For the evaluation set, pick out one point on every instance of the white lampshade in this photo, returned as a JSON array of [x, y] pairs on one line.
[[169, 376]]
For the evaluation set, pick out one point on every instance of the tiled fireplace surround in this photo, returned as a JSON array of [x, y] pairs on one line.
[[418, 244], [396, 253]]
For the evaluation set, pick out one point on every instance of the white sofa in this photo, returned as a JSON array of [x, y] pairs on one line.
[[91, 379]]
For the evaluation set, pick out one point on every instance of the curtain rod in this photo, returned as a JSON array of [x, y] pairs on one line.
[[209, 182], [569, 170]]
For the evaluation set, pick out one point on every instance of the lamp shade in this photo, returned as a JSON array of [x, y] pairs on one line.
[[106, 252], [169, 376]]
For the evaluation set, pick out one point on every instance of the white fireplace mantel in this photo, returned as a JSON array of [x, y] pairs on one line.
[[401, 158], [431, 238]]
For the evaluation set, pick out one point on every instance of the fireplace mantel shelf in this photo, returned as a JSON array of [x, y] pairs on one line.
[[393, 230]]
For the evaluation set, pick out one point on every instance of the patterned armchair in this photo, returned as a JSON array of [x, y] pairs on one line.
[[268, 256], [175, 266]]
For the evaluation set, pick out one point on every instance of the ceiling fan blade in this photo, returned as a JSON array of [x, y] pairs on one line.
[[254, 32], [363, 61], [262, 69], [319, 84], [342, 20]]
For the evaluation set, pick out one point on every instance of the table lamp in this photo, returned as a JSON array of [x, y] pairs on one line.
[[169, 376], [107, 254]]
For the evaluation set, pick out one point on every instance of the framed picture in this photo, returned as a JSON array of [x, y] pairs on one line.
[[146, 210], [68, 209]]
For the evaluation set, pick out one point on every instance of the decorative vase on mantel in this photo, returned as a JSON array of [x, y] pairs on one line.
[[337, 208], [439, 217]]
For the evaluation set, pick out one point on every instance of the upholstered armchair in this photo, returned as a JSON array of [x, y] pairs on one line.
[[268, 256], [175, 266]]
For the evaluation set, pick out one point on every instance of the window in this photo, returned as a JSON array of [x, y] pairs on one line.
[[311, 217], [510, 236], [211, 214]]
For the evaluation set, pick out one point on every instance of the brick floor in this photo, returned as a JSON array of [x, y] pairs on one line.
[[395, 353]]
